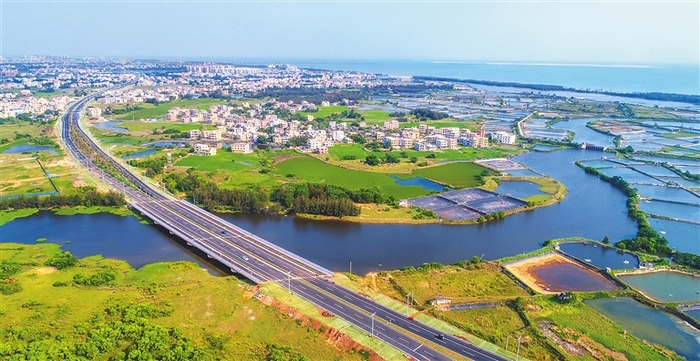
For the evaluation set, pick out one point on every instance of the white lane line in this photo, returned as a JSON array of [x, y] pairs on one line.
[[404, 340], [413, 328], [419, 346]]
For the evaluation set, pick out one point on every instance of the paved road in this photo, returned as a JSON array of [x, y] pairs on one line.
[[261, 261]]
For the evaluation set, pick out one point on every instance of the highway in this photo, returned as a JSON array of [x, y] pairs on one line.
[[261, 261]]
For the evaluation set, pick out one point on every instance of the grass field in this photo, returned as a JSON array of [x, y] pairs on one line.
[[337, 152], [370, 115], [459, 175], [576, 321], [326, 111], [151, 111], [314, 170], [483, 284], [6, 216], [206, 308]]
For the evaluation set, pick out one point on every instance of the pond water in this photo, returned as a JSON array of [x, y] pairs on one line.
[[522, 173], [599, 256], [680, 181], [650, 324], [167, 143], [681, 236], [666, 286], [599, 163], [629, 175], [563, 277], [544, 148], [419, 181], [110, 125], [583, 134], [694, 314], [655, 170], [667, 193], [661, 123], [143, 153], [19, 149], [103, 233], [518, 189], [673, 210]]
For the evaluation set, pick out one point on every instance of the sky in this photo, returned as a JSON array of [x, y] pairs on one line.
[[590, 32]]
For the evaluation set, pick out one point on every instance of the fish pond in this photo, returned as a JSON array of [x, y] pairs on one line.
[[27, 148], [650, 324], [600, 256], [666, 286]]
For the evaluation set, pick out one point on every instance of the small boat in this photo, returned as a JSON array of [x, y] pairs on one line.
[[626, 262], [587, 259], [662, 232]]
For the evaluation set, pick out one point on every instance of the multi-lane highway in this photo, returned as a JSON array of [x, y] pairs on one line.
[[262, 261]]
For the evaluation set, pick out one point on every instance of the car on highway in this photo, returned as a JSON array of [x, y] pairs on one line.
[[440, 336], [245, 258]]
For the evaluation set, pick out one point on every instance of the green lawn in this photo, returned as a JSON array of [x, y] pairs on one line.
[[222, 161], [326, 111], [357, 150], [375, 115], [314, 170], [152, 111], [460, 175]]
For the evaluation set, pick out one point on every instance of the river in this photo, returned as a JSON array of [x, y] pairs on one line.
[[591, 209]]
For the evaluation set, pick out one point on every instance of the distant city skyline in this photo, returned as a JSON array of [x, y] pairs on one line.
[[574, 33]]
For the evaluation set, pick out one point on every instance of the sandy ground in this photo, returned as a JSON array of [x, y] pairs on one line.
[[523, 269]]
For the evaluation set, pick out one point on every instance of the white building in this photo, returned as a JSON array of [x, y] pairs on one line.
[[204, 149]]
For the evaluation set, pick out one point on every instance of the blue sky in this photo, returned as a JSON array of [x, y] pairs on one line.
[[513, 31]]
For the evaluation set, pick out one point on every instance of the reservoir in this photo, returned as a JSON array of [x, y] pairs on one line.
[[666, 286], [649, 324], [518, 189]]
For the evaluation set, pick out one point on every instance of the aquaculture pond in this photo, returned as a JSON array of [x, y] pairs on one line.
[[19, 149], [600, 256], [666, 286], [650, 324], [693, 313], [673, 210], [630, 175], [681, 236], [667, 193], [562, 277], [518, 189]]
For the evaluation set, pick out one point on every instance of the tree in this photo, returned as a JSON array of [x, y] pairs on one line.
[[261, 139], [372, 160], [606, 239]]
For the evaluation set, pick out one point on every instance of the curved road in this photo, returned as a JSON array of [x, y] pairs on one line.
[[262, 261]]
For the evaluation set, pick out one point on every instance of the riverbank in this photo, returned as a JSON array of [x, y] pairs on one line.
[[184, 306], [7, 216]]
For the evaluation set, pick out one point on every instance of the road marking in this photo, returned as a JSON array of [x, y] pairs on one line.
[[403, 340], [413, 328], [419, 346]]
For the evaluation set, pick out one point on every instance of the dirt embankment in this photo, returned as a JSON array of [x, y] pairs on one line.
[[333, 336]]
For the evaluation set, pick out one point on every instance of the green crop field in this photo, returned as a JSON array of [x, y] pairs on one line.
[[314, 170], [461, 175], [326, 111], [357, 150], [375, 115], [217, 314], [152, 111]]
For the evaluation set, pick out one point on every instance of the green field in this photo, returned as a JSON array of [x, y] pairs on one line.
[[326, 111], [481, 284], [152, 111], [314, 170], [576, 321], [357, 150], [137, 126], [222, 161], [370, 115], [460, 175], [218, 315]]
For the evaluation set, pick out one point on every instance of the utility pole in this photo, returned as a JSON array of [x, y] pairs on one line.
[[517, 354], [350, 267], [372, 334], [507, 341], [407, 298], [289, 281]]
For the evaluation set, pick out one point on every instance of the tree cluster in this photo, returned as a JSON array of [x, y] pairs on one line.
[[324, 199], [428, 114], [210, 196], [88, 197]]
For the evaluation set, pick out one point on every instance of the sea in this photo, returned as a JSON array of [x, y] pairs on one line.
[[623, 78]]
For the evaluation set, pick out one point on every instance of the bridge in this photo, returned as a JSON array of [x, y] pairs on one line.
[[259, 260]]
